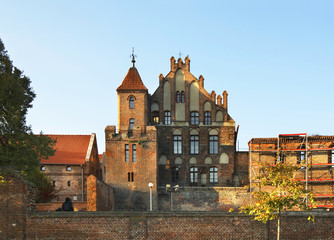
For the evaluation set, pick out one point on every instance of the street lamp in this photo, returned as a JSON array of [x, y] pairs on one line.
[[150, 185], [171, 189]]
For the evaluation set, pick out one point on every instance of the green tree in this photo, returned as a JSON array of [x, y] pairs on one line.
[[19, 147], [278, 192]]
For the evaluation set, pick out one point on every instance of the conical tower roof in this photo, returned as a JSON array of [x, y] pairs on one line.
[[132, 81]]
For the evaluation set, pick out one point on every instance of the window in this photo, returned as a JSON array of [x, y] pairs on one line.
[[207, 118], [193, 174], [167, 117], [68, 168], [194, 118], [54, 183], [175, 174], [194, 143], [126, 152], [134, 153], [182, 96], [177, 96], [213, 144], [130, 177], [213, 175], [177, 144], [131, 124], [301, 157], [69, 183], [331, 158], [131, 103], [42, 168], [155, 117]]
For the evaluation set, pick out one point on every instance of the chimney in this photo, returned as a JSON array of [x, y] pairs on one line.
[[225, 104]]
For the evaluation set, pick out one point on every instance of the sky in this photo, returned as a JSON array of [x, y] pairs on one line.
[[274, 58]]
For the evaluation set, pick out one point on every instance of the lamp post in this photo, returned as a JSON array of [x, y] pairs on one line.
[[171, 189], [150, 185]]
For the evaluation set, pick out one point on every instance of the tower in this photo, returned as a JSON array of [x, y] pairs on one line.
[[131, 151]]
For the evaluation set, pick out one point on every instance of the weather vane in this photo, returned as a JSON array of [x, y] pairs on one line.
[[133, 56]]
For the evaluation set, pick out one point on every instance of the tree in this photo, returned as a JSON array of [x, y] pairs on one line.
[[19, 147], [278, 192]]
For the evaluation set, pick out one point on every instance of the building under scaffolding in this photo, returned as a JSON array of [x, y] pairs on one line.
[[314, 153]]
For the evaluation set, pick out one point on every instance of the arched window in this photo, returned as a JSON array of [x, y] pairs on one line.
[[131, 103], [177, 96], [213, 175], [134, 153], [182, 96], [131, 124], [193, 174], [155, 117]]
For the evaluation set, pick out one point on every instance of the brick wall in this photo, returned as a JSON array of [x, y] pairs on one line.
[[203, 199], [145, 225], [53, 206], [100, 196]]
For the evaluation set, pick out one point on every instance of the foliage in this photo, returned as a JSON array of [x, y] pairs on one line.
[[19, 147], [278, 192], [46, 190], [286, 194]]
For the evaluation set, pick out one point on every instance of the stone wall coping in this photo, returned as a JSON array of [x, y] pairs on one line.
[[168, 214]]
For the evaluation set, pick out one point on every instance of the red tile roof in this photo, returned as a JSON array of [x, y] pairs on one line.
[[132, 81], [70, 149]]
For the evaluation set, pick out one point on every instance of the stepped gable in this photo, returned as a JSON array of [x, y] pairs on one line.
[[132, 81]]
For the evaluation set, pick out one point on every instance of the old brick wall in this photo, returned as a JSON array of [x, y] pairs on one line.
[[42, 207], [100, 196], [129, 179], [16, 203], [242, 167], [145, 225], [203, 198]]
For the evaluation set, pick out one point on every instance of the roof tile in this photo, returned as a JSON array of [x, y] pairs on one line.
[[132, 81], [70, 149]]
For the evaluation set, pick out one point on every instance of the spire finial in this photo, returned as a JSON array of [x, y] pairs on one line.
[[180, 54], [133, 56]]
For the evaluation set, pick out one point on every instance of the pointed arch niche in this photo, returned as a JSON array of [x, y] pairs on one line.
[[179, 88]]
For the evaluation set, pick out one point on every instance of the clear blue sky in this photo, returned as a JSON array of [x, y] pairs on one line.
[[274, 58]]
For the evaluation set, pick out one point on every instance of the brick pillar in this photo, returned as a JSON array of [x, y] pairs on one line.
[[91, 193]]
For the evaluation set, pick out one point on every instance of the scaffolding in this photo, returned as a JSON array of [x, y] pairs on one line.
[[303, 150]]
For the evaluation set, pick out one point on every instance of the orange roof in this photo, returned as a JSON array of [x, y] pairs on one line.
[[132, 81], [70, 149]]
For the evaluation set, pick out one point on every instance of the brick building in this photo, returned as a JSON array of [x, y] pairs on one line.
[[317, 152], [76, 158], [180, 135]]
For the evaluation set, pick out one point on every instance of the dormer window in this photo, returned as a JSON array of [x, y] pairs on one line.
[[131, 103]]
